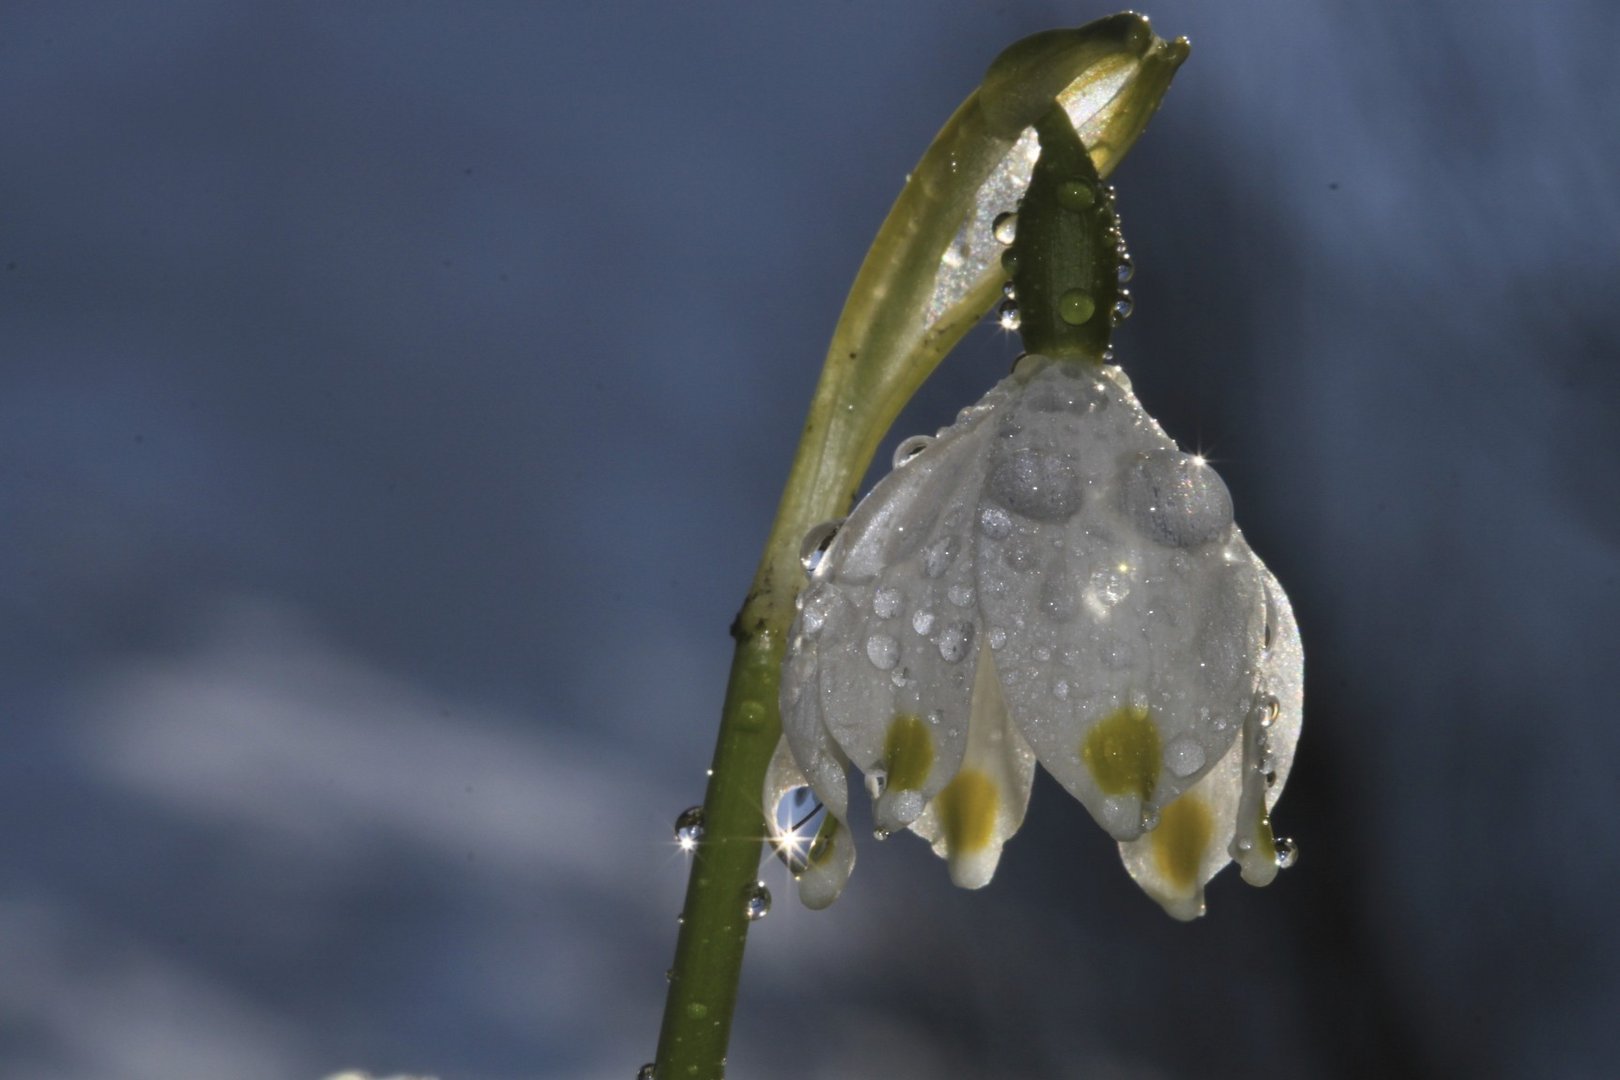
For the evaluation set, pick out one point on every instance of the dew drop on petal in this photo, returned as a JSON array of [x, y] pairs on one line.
[[938, 556], [922, 621], [1184, 757], [1037, 484], [886, 602], [998, 637], [689, 827], [960, 595], [995, 522], [816, 542], [883, 651], [756, 902], [1176, 499], [910, 448], [954, 641], [1270, 709]]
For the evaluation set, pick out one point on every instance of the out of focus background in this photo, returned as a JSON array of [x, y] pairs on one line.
[[393, 402]]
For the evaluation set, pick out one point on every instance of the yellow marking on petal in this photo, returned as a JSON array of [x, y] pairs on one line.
[[822, 846], [1122, 751], [967, 809], [1179, 842], [908, 752]]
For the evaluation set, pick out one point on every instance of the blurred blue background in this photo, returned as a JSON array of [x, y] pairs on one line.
[[393, 401]]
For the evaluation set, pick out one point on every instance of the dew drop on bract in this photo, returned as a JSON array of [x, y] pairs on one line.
[[1127, 267], [910, 448], [1122, 307], [1008, 316], [756, 902], [689, 827], [816, 542], [1287, 852], [1005, 228]]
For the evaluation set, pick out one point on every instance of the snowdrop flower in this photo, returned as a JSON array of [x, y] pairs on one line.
[[1049, 580]]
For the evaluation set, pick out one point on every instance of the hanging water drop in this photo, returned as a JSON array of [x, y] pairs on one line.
[[816, 542], [910, 448], [1009, 290], [756, 902], [1287, 852], [1005, 228], [689, 828], [1122, 308], [1127, 267], [647, 1072], [1008, 316]]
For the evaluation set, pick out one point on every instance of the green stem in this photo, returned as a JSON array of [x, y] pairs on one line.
[[905, 312]]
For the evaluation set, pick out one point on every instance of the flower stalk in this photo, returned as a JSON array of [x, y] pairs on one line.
[[932, 272]]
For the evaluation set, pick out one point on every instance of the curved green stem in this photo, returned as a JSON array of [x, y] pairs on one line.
[[932, 272]]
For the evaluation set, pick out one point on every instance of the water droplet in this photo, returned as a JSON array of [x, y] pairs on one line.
[[1076, 195], [1036, 483], [1005, 228], [910, 448], [995, 522], [1270, 709], [689, 827], [938, 556], [881, 834], [883, 651], [816, 542], [815, 604], [1287, 852], [756, 902], [922, 621], [954, 641], [1122, 308], [1075, 307], [1009, 261], [960, 595], [886, 602], [1266, 636], [1184, 757], [1127, 267], [1008, 316], [669, 975], [1009, 290], [1177, 499], [647, 1072], [998, 637], [1060, 689]]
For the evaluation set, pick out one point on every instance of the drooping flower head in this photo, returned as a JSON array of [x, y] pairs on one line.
[[1048, 580]]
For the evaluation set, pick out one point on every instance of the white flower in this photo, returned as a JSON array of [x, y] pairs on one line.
[[1049, 580]]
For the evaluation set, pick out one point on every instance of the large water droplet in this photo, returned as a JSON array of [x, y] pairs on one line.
[[756, 902], [1287, 852], [1008, 317], [1076, 307], [689, 828], [1177, 499], [794, 820], [1004, 228], [883, 651], [816, 542], [1076, 195], [1037, 484], [910, 448]]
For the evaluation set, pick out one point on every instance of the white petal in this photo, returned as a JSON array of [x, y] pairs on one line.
[[970, 820], [899, 629], [829, 857], [1132, 610], [1200, 833], [802, 728]]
